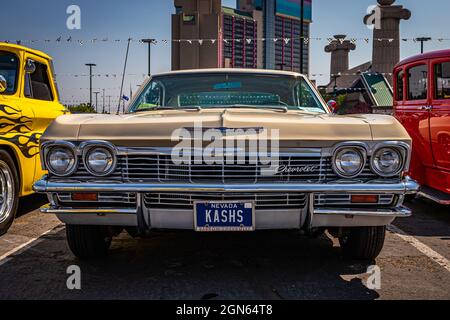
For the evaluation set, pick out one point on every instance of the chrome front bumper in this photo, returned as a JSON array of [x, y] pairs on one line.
[[406, 186], [309, 217]]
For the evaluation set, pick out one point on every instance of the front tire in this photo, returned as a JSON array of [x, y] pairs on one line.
[[363, 243], [9, 191], [87, 242]]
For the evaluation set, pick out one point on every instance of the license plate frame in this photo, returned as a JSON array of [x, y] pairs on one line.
[[249, 205]]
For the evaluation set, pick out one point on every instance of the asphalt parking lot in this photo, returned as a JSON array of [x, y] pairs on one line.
[[270, 265]]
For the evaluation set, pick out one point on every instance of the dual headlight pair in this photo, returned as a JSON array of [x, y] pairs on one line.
[[386, 161], [62, 159]]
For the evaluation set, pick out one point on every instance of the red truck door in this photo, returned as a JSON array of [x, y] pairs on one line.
[[440, 118], [412, 109]]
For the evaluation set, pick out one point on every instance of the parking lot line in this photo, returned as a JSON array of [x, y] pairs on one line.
[[25, 246], [430, 253]]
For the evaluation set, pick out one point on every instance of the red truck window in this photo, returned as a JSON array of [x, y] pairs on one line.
[[418, 82], [442, 81], [399, 80]]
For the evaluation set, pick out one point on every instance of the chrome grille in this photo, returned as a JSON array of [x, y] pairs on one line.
[[345, 199], [264, 201], [161, 168]]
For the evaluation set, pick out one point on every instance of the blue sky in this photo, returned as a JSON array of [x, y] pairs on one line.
[[46, 19]]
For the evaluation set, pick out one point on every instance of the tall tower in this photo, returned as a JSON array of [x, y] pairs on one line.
[[339, 49], [386, 20]]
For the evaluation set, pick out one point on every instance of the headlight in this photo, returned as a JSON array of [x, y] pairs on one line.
[[349, 162], [387, 162], [61, 161], [99, 161]]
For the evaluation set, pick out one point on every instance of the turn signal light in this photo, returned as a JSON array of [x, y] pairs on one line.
[[364, 199], [84, 197]]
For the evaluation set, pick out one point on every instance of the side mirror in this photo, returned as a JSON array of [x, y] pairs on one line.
[[332, 105], [30, 66], [3, 84]]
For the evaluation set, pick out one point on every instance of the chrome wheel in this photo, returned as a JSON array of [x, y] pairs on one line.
[[6, 192]]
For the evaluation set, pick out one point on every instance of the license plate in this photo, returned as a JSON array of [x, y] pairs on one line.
[[224, 216]]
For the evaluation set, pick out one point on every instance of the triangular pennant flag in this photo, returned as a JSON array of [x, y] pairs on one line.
[[58, 39], [200, 41], [366, 40], [330, 40], [248, 41], [213, 41], [306, 40], [275, 40], [353, 40], [286, 40]]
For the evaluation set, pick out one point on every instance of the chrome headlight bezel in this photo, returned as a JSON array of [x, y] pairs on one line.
[[400, 151], [337, 167], [67, 146], [89, 148]]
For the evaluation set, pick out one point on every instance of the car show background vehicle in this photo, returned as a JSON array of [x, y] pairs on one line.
[[28, 103], [422, 105], [345, 174]]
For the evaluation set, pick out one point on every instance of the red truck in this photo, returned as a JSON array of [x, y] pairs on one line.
[[422, 105]]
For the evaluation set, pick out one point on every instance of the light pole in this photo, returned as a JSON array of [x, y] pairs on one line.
[[103, 111], [150, 42], [422, 40], [302, 32], [96, 100], [90, 65]]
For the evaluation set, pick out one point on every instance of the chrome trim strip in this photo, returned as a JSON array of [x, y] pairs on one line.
[[406, 186], [99, 211], [398, 212]]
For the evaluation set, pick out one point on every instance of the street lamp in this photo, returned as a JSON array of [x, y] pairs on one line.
[[422, 40], [150, 42], [90, 65]]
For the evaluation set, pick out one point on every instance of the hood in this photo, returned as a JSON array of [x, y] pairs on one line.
[[155, 128]]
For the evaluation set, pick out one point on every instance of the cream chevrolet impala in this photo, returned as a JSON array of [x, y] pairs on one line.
[[226, 150]]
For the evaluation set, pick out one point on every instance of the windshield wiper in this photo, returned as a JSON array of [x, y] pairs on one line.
[[193, 108], [248, 106]]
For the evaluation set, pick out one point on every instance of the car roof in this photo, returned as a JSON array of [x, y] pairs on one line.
[[231, 70], [425, 56], [4, 45]]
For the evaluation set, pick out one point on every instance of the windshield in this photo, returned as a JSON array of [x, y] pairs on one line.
[[9, 65], [222, 90]]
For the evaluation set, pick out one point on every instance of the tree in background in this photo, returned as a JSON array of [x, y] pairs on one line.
[[81, 108]]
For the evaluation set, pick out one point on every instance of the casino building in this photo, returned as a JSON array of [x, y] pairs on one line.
[[235, 31]]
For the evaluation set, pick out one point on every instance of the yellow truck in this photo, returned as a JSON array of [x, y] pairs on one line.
[[29, 102]]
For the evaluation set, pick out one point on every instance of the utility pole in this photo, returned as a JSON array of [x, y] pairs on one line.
[[103, 111], [150, 42], [302, 33], [422, 40], [96, 100], [90, 65]]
